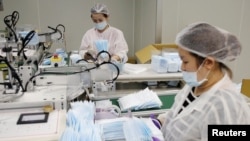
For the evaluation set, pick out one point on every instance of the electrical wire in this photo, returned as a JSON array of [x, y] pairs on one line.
[[13, 18], [25, 42], [30, 79], [55, 30], [78, 61], [64, 38], [86, 70], [104, 52], [48, 33], [60, 25], [118, 70]]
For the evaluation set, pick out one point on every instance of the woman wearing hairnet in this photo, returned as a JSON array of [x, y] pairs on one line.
[[102, 31], [209, 96]]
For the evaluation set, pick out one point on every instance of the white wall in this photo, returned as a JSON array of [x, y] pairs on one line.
[[232, 15], [145, 22]]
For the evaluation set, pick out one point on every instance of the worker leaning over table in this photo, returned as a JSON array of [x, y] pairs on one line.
[[102, 30], [209, 96]]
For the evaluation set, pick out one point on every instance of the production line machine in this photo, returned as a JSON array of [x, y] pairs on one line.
[[22, 102], [34, 98]]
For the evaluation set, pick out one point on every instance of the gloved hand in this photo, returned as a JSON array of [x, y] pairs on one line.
[[156, 121]]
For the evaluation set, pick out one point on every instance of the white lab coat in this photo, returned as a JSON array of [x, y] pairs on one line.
[[117, 44], [222, 104]]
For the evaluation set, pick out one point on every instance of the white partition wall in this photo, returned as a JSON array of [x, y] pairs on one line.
[[232, 15]]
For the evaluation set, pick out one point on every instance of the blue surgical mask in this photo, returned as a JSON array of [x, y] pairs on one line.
[[191, 78], [101, 25]]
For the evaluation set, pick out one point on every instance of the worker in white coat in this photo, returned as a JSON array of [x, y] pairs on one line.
[[209, 96], [102, 31]]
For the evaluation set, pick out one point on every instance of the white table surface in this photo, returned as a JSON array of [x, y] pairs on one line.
[[148, 75]]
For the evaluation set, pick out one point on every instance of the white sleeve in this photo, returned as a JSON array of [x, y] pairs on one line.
[[121, 47], [85, 44]]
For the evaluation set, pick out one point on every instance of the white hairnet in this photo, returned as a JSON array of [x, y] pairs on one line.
[[206, 40], [99, 8]]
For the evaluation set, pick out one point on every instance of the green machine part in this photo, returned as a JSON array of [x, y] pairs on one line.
[[4, 68]]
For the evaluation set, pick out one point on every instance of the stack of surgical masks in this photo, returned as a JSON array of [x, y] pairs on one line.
[[137, 130], [129, 129], [102, 45], [174, 61], [159, 64], [143, 99], [167, 62], [112, 129], [80, 123]]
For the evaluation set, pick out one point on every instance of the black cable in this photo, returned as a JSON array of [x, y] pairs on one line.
[[101, 52], [6, 83], [48, 33], [78, 61], [89, 69], [30, 79], [105, 62], [118, 70], [14, 18], [10, 25], [25, 42], [56, 30], [61, 26]]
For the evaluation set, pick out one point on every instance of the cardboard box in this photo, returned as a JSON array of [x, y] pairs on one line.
[[245, 87], [143, 56], [131, 60]]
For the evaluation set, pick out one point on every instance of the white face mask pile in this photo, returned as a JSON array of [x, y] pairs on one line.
[[144, 99], [112, 129], [80, 123], [137, 130]]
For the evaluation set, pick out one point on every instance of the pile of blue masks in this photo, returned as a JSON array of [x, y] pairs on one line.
[[112, 129], [144, 99], [136, 130], [80, 123], [159, 64], [102, 45]]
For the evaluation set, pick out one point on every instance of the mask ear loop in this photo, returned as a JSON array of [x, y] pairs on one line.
[[205, 78]]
